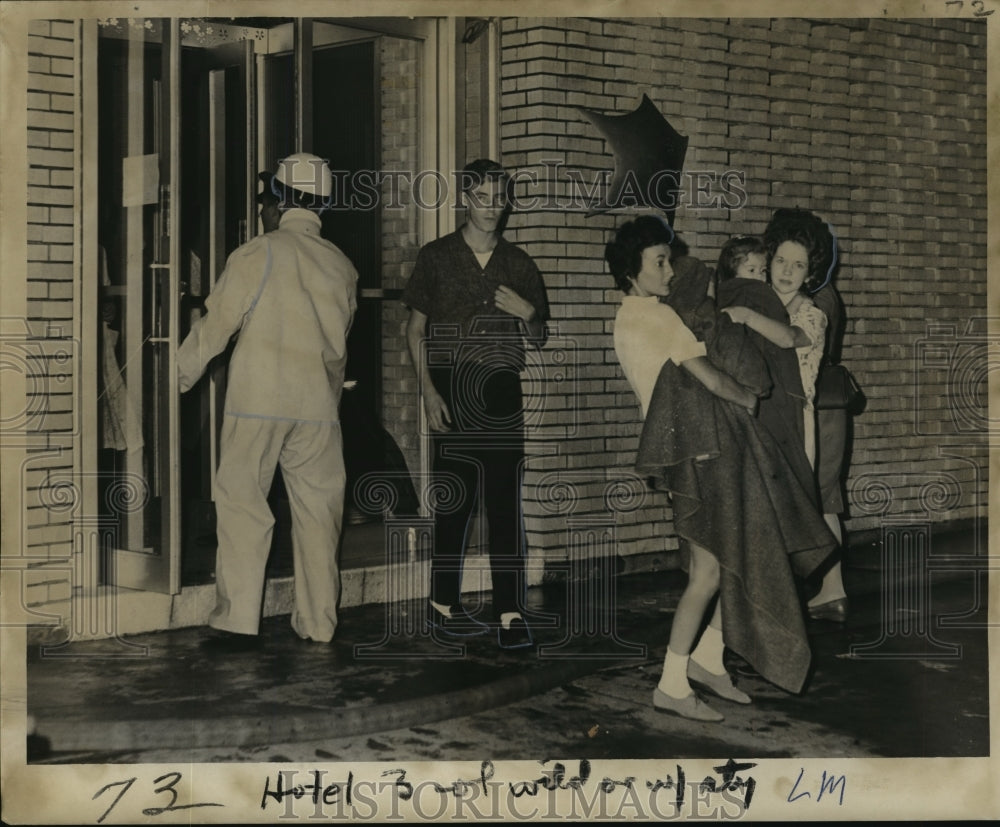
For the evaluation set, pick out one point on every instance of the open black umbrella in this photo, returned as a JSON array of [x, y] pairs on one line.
[[649, 159]]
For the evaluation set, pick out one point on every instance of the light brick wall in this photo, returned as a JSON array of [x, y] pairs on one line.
[[876, 125], [49, 492], [399, 61]]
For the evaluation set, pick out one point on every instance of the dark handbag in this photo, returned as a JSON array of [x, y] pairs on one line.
[[837, 388]]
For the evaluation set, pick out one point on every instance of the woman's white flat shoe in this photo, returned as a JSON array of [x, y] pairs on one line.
[[691, 707], [719, 685]]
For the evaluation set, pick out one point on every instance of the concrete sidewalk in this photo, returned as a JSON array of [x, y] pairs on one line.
[[159, 694]]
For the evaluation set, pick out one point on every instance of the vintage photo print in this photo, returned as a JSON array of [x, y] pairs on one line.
[[434, 411]]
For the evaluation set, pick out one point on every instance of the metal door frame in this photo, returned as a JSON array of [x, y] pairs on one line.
[[129, 567]]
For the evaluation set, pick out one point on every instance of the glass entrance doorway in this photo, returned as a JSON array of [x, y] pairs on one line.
[[137, 330], [219, 104]]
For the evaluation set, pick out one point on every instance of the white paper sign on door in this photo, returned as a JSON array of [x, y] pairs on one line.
[[140, 180]]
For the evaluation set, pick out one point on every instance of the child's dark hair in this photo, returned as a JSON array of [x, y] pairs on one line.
[[809, 230], [624, 253], [734, 253]]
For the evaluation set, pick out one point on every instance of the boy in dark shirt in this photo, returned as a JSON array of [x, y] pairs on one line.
[[474, 299]]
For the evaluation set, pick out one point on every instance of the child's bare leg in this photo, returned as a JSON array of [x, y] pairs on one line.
[[703, 583], [708, 652]]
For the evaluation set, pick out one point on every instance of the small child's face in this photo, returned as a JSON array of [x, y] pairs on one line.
[[753, 266]]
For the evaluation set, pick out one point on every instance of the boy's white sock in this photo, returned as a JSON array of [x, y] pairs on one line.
[[507, 617]]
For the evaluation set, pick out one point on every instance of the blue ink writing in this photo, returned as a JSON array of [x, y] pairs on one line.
[[827, 785]]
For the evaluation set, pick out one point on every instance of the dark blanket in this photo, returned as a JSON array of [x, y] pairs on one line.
[[781, 411], [731, 347], [735, 494], [744, 505]]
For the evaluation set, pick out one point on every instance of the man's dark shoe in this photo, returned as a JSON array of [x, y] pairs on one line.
[[833, 610], [517, 636], [460, 624], [219, 642]]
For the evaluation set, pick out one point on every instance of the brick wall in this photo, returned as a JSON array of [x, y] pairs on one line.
[[876, 125], [50, 348], [399, 61]]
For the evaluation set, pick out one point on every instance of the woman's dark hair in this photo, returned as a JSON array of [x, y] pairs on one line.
[[624, 254], [807, 229], [735, 251]]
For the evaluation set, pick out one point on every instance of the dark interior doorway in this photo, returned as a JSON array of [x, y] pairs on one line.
[[346, 131]]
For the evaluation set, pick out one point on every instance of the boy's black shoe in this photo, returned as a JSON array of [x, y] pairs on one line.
[[460, 624], [518, 636], [229, 643]]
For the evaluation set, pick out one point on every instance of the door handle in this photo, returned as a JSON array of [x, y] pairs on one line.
[[159, 267]]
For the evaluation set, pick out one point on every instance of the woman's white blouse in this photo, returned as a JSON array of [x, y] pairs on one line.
[[647, 335]]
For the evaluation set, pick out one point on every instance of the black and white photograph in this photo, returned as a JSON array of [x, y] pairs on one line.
[[412, 415]]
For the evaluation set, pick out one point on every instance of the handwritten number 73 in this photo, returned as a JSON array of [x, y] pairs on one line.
[[978, 6], [149, 811]]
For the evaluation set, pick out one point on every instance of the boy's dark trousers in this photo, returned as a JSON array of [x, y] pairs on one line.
[[480, 460]]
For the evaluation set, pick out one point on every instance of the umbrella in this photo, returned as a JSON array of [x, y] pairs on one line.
[[649, 159]]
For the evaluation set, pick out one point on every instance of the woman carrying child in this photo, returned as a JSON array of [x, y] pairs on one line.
[[737, 507]]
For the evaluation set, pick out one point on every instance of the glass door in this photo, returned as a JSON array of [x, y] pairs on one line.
[[138, 66]]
